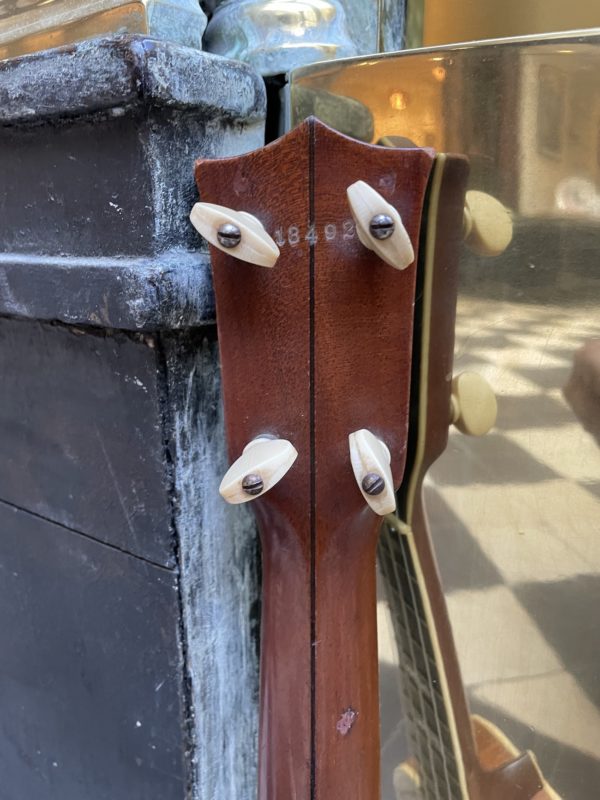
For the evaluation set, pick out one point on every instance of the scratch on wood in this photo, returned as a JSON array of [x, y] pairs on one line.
[[346, 721]]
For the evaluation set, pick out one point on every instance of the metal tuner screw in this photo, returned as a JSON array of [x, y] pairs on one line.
[[373, 484], [253, 484], [382, 226], [229, 235]]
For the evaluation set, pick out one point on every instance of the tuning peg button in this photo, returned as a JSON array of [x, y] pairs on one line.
[[263, 463], [379, 226], [473, 406], [235, 232], [370, 459], [487, 224]]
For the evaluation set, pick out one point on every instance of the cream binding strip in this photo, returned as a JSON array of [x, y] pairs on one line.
[[406, 530]]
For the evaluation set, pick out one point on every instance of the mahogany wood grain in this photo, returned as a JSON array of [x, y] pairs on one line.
[[311, 351], [264, 327], [363, 321], [494, 750]]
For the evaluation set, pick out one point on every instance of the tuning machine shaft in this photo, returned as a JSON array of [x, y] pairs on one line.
[[487, 224], [236, 233], [473, 405]]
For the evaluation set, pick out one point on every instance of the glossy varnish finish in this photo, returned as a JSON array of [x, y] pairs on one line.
[[312, 350]]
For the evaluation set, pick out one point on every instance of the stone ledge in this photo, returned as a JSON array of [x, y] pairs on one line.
[[120, 72], [170, 291]]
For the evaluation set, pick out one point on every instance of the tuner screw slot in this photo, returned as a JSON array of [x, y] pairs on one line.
[[373, 483], [263, 463], [253, 484], [229, 235], [382, 226], [370, 459]]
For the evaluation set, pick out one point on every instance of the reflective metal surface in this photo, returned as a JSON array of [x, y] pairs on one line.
[[27, 26], [444, 21], [515, 515]]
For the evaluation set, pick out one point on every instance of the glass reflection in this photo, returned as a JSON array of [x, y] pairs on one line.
[[28, 26], [515, 515]]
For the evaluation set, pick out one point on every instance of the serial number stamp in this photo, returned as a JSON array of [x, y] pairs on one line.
[[294, 234]]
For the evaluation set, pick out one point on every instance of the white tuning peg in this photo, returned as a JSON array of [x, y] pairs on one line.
[[370, 460], [487, 224], [473, 406], [263, 463], [235, 232], [379, 226]]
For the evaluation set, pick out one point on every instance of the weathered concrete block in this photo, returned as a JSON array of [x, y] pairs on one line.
[[133, 595], [97, 145]]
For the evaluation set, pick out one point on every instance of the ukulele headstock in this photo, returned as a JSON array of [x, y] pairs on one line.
[[318, 349], [317, 353]]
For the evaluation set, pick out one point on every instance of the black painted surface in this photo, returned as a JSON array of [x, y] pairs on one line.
[[81, 439], [122, 578], [144, 294], [68, 191], [91, 703], [97, 146]]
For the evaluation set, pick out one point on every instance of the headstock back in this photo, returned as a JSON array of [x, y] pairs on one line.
[[312, 350]]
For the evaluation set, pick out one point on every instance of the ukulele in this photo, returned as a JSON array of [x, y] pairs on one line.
[[334, 268]]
